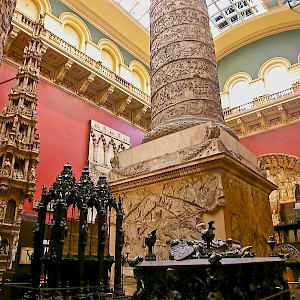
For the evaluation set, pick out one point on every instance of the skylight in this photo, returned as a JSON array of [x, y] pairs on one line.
[[223, 13], [138, 9]]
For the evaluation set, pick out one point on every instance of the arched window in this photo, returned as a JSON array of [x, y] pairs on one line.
[[29, 8], [107, 60], [139, 76], [75, 31], [110, 55], [239, 93], [10, 212], [71, 36], [275, 73], [137, 80], [238, 88], [277, 79]]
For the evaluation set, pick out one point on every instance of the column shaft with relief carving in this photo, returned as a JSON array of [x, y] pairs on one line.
[[184, 82]]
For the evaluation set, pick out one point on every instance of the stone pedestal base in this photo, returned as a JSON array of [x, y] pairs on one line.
[[178, 181]]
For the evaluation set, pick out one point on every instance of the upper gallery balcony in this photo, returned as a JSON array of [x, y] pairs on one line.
[[82, 76]]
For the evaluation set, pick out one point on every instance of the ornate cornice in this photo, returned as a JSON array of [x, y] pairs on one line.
[[223, 163]]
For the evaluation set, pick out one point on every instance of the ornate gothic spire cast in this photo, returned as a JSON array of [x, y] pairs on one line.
[[19, 142], [184, 82]]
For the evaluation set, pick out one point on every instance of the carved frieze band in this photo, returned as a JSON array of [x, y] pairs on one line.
[[159, 7], [188, 32], [211, 145], [199, 111], [170, 18], [184, 84], [182, 50], [174, 208], [180, 70]]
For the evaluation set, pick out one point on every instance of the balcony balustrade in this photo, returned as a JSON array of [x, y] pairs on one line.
[[52, 40], [263, 113]]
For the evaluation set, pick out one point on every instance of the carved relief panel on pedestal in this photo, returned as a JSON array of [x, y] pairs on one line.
[[173, 207], [104, 143]]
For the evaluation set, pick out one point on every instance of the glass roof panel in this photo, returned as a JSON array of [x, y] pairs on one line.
[[223, 13]]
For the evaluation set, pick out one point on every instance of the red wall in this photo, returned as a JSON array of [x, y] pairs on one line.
[[285, 140], [63, 125]]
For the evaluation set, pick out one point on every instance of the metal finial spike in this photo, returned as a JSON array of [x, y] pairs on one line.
[[44, 190]]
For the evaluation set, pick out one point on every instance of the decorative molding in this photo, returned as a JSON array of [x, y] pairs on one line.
[[121, 105], [103, 95], [222, 161], [62, 71], [84, 83]]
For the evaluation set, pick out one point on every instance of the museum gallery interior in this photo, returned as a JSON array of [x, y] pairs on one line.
[[152, 120]]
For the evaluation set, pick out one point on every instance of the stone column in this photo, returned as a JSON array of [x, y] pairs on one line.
[[184, 81], [7, 8]]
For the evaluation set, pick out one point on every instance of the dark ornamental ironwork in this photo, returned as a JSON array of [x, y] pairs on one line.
[[71, 258], [210, 269]]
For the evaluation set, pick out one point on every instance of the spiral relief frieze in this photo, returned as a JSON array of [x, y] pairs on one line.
[[182, 32], [182, 50], [189, 111], [189, 89], [180, 70], [176, 17], [184, 81]]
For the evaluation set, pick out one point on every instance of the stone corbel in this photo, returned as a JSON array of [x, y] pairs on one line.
[[121, 105], [44, 48], [283, 113], [103, 95], [262, 119], [11, 37], [84, 83], [243, 126], [137, 114], [63, 70]]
